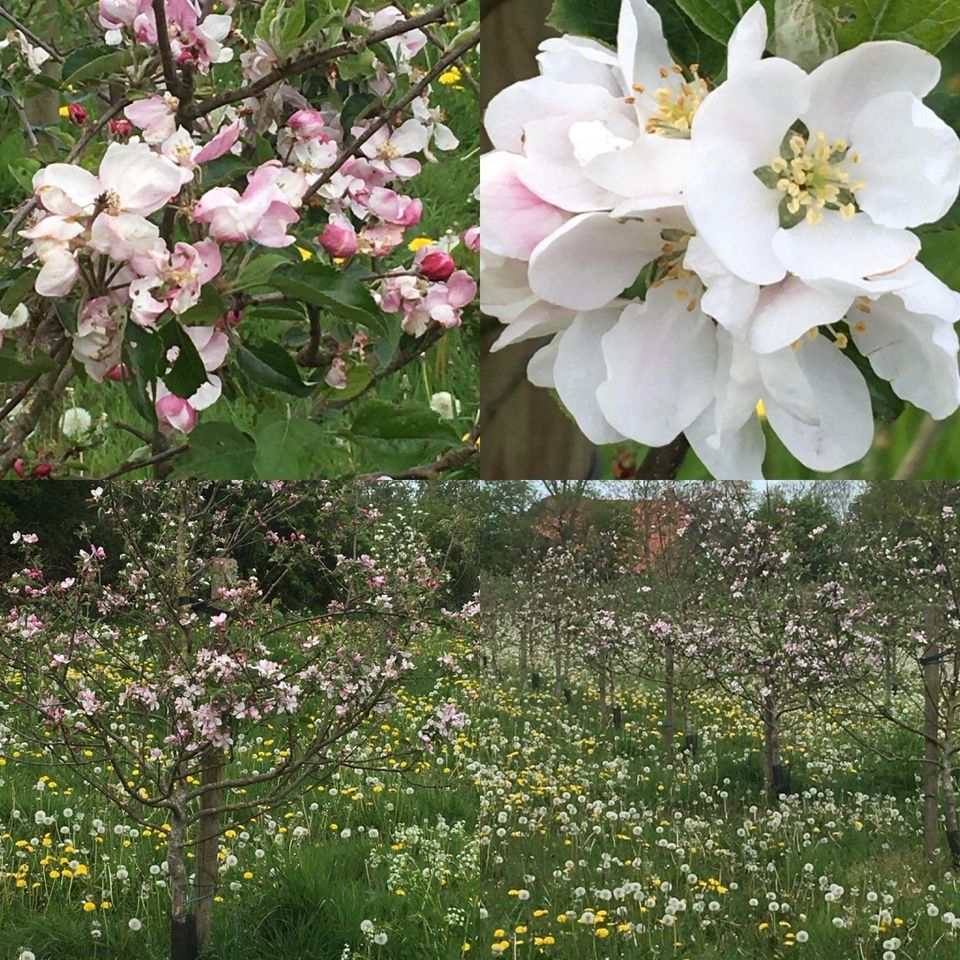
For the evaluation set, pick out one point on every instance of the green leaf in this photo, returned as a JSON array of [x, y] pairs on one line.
[[97, 67], [259, 270], [357, 379], [586, 18], [210, 308], [386, 420], [188, 372], [927, 23], [80, 57], [224, 170], [323, 286], [23, 170], [805, 32], [286, 449], [218, 451], [718, 18], [13, 369], [271, 366], [939, 255], [16, 289]]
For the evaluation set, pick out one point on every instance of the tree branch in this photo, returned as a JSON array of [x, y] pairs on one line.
[[663, 463], [452, 56], [129, 466], [30, 35], [451, 460], [166, 53], [304, 64]]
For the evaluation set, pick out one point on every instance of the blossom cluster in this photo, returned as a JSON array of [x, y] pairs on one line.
[[114, 232], [765, 223]]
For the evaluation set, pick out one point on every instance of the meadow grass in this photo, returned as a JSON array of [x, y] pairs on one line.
[[535, 834]]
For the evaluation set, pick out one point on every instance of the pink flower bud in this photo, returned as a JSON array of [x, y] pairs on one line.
[[339, 239], [185, 56], [77, 113], [176, 412], [41, 471], [471, 238], [308, 125], [412, 214], [119, 373], [229, 320], [121, 127], [437, 266], [18, 467]]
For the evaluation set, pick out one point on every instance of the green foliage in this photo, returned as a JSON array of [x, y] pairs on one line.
[[269, 365], [323, 286], [286, 450], [187, 373], [927, 23], [218, 451]]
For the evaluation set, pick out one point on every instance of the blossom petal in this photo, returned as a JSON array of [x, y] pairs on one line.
[[748, 40], [616, 252], [143, 180], [579, 60], [540, 367], [651, 166], [66, 189], [846, 250], [787, 310], [844, 431], [728, 299], [641, 47], [917, 353], [909, 160], [580, 369], [661, 361], [513, 218], [540, 319], [843, 84]]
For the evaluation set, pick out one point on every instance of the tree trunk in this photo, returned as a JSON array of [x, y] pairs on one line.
[[183, 931], [931, 736], [557, 661], [602, 691], [670, 711], [208, 847], [771, 747], [524, 643]]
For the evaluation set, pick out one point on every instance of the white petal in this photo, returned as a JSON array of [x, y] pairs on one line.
[[411, 137], [845, 429], [909, 159], [661, 361], [787, 310], [143, 180], [922, 292], [786, 383], [842, 85], [540, 367], [651, 166], [540, 319], [641, 47], [540, 97], [503, 285], [66, 189], [917, 353], [846, 250], [580, 369], [748, 41], [592, 259], [554, 172], [57, 275], [728, 299], [513, 218], [738, 457], [579, 60]]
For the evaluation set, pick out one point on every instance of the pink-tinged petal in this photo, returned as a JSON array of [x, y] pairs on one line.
[[66, 189], [143, 180], [210, 260], [207, 393], [123, 236], [155, 116], [514, 218], [58, 274], [271, 229], [214, 200], [220, 144], [212, 346], [461, 289], [405, 167], [176, 412]]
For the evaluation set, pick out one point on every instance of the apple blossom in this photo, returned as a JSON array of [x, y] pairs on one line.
[[339, 239], [17, 317], [390, 152]]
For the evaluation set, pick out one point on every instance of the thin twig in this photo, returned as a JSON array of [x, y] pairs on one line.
[[439, 44], [455, 54], [166, 52], [451, 460], [129, 466], [30, 35], [304, 64]]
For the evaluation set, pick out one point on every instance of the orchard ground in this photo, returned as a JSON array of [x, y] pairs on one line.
[[535, 833]]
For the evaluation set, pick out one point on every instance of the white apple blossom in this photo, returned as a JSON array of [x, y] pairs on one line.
[[767, 220]]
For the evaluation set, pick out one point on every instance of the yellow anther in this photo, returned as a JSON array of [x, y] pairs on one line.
[[860, 327], [681, 295], [814, 216], [638, 88], [847, 211], [778, 165], [784, 185], [676, 68], [664, 72], [630, 100], [793, 205], [841, 341]]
